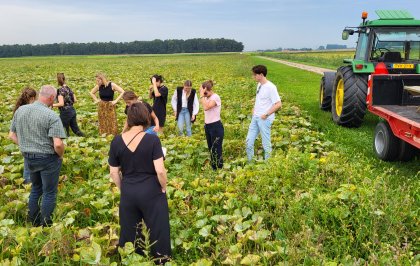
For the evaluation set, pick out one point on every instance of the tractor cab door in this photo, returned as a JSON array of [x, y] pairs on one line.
[[362, 49]]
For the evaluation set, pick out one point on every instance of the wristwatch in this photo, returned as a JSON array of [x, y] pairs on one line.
[[267, 115]]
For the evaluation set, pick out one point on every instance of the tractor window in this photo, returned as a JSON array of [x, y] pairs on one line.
[[362, 46], [405, 41]]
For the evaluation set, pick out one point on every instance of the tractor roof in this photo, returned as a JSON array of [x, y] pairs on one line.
[[393, 18]]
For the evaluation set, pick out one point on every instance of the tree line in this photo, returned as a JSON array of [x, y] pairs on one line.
[[136, 47]]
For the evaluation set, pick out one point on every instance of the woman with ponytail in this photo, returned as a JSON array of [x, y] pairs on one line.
[[66, 99], [212, 105], [27, 96]]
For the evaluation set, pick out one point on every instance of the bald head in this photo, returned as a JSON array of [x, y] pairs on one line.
[[47, 94]]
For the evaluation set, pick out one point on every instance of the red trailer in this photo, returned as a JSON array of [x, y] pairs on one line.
[[395, 98]]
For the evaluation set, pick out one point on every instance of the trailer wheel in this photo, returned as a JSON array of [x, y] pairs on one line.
[[348, 106], [385, 145], [325, 91], [406, 151]]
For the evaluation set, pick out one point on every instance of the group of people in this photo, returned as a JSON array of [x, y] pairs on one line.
[[136, 158]]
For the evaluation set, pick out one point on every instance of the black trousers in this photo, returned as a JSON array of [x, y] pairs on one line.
[[68, 118], [214, 134], [145, 202]]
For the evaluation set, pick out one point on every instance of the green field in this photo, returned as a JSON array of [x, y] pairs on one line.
[[323, 198], [327, 59]]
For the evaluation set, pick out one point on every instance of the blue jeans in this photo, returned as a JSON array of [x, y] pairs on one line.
[[45, 170], [26, 173], [184, 118], [258, 125], [149, 130]]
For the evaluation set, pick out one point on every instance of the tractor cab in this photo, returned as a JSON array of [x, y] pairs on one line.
[[392, 41]]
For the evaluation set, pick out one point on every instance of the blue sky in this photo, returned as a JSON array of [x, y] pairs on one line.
[[258, 24]]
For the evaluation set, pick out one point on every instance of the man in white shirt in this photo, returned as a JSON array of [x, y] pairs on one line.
[[267, 102]]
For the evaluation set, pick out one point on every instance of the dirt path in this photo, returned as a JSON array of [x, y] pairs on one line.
[[318, 70]]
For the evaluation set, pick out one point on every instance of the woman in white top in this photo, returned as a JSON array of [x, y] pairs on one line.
[[185, 105]]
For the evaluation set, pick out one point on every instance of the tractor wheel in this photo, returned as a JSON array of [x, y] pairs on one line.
[[325, 91], [349, 98], [406, 152], [386, 145]]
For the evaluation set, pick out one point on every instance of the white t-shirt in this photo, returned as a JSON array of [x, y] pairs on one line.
[[267, 96]]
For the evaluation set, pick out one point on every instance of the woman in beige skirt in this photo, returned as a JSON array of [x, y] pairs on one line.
[[107, 115]]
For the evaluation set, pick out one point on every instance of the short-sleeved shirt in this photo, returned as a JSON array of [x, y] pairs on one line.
[[35, 126], [267, 96], [136, 166], [213, 115], [68, 96], [149, 108]]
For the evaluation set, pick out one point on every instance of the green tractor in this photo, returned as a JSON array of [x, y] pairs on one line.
[[388, 45]]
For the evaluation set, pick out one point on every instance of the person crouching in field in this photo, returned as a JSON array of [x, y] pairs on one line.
[[39, 132], [27, 96], [130, 98], [139, 157], [267, 102], [185, 105], [107, 115], [212, 105], [66, 99], [159, 93]]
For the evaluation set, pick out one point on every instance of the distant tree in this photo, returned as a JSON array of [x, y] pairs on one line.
[[136, 47]]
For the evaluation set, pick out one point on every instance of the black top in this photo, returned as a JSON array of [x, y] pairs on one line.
[[149, 108], [106, 93], [159, 103], [68, 96], [136, 166]]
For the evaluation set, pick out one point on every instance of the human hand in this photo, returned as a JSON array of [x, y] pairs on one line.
[[156, 129], [264, 116], [192, 118], [97, 101], [175, 113], [202, 90], [114, 102], [154, 81], [164, 190]]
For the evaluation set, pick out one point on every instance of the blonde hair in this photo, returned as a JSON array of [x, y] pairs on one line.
[[102, 77]]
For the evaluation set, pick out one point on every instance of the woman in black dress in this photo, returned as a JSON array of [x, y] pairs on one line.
[[159, 93], [139, 157]]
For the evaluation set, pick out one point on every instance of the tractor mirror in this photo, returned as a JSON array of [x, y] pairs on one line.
[[345, 35]]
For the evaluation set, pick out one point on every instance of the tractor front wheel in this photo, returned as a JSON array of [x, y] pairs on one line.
[[348, 106]]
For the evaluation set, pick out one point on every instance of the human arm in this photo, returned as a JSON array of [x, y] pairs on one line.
[[156, 120], [207, 104], [161, 173], [174, 102], [74, 98], [13, 137], [272, 110], [155, 88], [59, 147], [93, 94], [60, 101], [114, 172], [115, 87]]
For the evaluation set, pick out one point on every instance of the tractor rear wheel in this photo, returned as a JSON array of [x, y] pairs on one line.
[[348, 106], [325, 91], [386, 145], [406, 152]]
